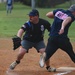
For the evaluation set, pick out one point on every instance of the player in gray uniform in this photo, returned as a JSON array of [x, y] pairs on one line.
[[9, 6]]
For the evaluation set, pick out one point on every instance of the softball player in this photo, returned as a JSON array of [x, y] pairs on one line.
[[9, 6], [58, 34], [34, 37]]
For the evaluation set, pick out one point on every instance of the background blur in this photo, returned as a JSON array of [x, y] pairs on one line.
[[44, 3], [11, 23]]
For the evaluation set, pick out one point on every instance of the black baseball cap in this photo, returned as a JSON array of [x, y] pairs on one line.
[[34, 12]]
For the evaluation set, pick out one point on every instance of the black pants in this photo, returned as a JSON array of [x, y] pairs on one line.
[[59, 42]]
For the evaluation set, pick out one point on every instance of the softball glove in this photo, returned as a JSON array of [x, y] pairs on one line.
[[16, 42]]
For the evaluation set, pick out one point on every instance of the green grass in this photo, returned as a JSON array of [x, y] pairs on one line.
[[11, 23], [15, 5]]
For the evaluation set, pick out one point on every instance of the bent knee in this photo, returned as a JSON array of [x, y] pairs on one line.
[[22, 50], [42, 50]]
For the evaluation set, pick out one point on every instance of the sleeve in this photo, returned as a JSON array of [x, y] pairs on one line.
[[73, 18], [24, 27], [54, 11], [48, 26]]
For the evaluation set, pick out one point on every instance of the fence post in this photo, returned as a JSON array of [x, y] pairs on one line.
[[33, 4]]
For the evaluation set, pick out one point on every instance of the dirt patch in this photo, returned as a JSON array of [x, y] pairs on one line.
[[30, 63]]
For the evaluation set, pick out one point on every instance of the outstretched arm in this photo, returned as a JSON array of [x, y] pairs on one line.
[[17, 39], [50, 15], [64, 24], [20, 33]]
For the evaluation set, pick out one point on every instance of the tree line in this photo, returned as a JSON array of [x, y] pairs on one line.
[[43, 3]]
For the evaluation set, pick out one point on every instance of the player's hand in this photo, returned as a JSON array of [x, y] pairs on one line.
[[61, 31], [16, 42]]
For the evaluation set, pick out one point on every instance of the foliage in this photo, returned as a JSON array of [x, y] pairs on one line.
[[44, 3], [25, 2], [10, 24], [16, 5]]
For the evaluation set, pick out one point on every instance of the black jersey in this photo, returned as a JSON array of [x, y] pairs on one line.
[[60, 16], [35, 32]]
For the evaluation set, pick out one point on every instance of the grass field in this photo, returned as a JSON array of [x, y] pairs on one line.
[[9, 24]]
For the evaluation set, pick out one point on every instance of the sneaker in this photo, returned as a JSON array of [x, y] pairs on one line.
[[13, 65], [51, 69], [42, 60]]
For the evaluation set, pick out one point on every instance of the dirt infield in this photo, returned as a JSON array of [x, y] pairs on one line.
[[30, 63]]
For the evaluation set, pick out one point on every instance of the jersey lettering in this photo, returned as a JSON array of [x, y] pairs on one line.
[[61, 15], [42, 28]]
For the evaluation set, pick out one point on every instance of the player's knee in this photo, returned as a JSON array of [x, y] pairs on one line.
[[42, 51], [22, 50]]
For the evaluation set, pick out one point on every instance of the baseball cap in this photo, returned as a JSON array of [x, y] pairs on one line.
[[72, 8], [34, 12]]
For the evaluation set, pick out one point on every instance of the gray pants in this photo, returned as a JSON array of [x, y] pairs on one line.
[[27, 45], [9, 9]]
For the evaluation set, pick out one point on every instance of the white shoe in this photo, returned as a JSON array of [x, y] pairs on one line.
[[42, 60], [13, 65], [51, 69]]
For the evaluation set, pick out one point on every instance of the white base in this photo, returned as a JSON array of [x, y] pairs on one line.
[[65, 69]]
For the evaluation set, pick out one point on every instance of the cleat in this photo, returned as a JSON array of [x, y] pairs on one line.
[[42, 60], [51, 69], [13, 65]]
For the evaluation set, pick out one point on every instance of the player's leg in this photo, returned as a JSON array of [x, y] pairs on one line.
[[67, 47], [41, 48], [20, 55], [7, 9], [51, 48], [24, 49], [48, 67], [10, 8]]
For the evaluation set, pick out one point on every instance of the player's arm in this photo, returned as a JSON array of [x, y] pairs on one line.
[[50, 15], [48, 26], [64, 24], [17, 39], [20, 32]]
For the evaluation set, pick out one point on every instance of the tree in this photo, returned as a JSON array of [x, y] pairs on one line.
[[43, 3]]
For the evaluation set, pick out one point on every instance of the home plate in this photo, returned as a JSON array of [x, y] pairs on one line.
[[64, 70]]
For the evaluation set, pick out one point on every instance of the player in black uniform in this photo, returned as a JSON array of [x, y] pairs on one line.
[[34, 37], [59, 33]]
